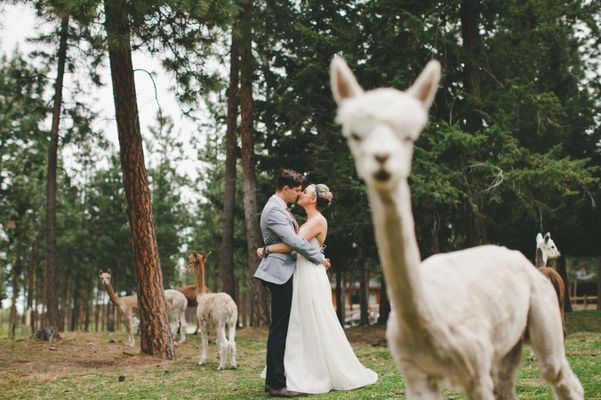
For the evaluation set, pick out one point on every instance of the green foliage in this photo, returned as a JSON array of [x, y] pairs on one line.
[[171, 215], [22, 159]]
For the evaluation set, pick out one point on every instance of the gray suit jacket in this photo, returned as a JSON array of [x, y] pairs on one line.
[[277, 226]]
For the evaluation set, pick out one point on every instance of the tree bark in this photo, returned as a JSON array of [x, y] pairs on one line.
[[64, 301], [340, 296], [51, 251], [229, 190], [73, 326], [253, 236], [156, 337], [598, 283], [472, 47], [363, 294], [384, 304], [561, 269], [16, 272], [30, 287]]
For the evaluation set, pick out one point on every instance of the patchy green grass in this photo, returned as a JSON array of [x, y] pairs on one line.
[[89, 365]]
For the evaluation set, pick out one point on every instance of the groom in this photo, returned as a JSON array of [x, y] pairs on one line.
[[279, 226]]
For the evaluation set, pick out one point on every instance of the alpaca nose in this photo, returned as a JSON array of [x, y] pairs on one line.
[[381, 158]]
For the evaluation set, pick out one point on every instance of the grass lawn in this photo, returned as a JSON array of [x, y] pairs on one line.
[[99, 366]]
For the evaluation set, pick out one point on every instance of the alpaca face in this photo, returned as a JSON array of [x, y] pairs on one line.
[[381, 138], [381, 125], [547, 246], [196, 261], [105, 277]]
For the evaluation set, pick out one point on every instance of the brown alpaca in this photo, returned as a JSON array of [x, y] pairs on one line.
[[190, 292], [217, 309], [545, 250], [128, 305]]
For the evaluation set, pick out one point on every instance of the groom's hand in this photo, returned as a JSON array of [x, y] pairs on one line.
[[326, 263], [260, 252]]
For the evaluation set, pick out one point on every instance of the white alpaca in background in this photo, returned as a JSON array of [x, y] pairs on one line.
[[458, 318], [178, 303], [217, 309], [547, 250]]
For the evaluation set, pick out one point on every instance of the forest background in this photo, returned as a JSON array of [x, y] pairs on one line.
[[512, 147]]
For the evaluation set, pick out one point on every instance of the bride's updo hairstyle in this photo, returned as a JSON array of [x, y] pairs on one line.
[[323, 196]]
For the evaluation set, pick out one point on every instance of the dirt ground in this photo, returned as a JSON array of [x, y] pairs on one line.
[[84, 350]]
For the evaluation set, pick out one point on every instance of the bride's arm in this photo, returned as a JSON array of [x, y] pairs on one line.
[[309, 230]]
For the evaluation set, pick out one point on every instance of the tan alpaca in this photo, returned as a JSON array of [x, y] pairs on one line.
[[128, 305], [190, 292], [178, 303], [459, 318], [217, 309]]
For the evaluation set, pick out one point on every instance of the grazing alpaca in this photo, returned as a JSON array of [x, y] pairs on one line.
[[458, 318], [128, 305], [217, 309], [546, 250], [178, 304]]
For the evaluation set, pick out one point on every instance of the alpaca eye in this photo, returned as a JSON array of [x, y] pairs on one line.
[[407, 140], [355, 137]]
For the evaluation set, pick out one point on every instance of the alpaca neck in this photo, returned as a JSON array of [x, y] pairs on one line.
[[109, 289], [399, 254], [200, 280], [540, 260]]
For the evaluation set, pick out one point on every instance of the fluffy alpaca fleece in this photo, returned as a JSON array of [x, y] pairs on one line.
[[547, 250], [217, 309], [459, 318], [178, 303]]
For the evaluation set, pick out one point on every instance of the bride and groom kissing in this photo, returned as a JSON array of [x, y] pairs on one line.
[[307, 349]]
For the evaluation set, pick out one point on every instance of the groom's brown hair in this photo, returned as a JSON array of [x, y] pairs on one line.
[[290, 178]]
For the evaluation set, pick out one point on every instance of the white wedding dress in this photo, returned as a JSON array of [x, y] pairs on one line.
[[318, 356]]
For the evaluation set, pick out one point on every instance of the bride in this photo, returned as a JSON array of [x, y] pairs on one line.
[[318, 356]]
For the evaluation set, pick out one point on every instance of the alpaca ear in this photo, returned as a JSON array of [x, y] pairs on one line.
[[108, 271], [207, 255], [343, 82], [425, 87], [100, 271], [539, 238], [547, 237]]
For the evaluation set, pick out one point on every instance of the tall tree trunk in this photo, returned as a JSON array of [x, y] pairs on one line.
[[89, 301], [253, 236], [475, 226], [384, 310], [51, 253], [598, 283], [75, 306], [229, 190], [64, 301], [30, 279], [97, 310], [16, 272], [472, 48], [156, 337], [561, 269], [363, 293], [340, 306]]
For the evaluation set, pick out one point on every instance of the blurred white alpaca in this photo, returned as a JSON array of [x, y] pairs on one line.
[[217, 309], [458, 318], [178, 303]]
